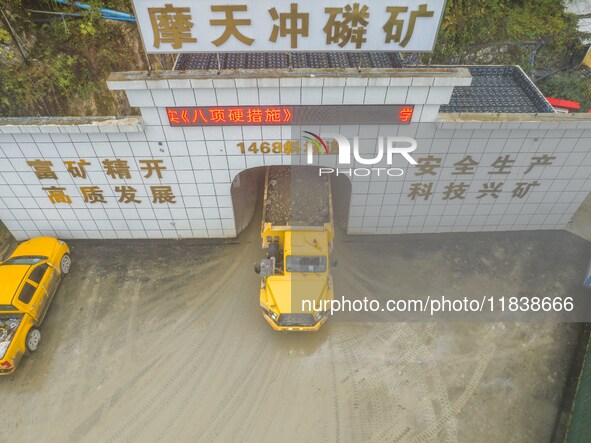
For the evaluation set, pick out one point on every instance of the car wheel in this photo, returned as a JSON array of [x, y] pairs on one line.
[[33, 339], [65, 264]]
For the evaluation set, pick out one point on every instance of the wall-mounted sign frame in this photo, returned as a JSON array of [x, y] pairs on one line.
[[176, 26]]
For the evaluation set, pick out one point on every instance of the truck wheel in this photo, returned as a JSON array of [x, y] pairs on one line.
[[65, 264], [33, 339]]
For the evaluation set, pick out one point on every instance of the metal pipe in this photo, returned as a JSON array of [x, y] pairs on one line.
[[103, 10], [66, 14]]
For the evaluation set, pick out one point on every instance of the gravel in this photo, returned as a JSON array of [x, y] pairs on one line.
[[297, 196]]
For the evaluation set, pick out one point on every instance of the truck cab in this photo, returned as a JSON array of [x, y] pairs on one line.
[[296, 279]]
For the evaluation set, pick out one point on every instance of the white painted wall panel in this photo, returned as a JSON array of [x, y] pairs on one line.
[[202, 162]]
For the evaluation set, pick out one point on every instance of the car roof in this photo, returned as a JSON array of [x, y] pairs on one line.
[[11, 277]]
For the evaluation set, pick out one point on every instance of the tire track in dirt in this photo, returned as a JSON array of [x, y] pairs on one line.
[[176, 339], [240, 374], [46, 410], [445, 426], [213, 357], [359, 354], [337, 406], [175, 382], [170, 342], [261, 391], [84, 325], [368, 425], [168, 390], [484, 357], [90, 351], [214, 370]]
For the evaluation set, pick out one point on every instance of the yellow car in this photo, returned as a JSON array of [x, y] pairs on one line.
[[28, 282]]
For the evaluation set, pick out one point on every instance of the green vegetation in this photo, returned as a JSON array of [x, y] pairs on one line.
[[507, 32], [570, 86], [68, 59], [4, 36], [469, 24]]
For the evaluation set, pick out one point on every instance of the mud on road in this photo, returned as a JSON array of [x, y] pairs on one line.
[[164, 341]]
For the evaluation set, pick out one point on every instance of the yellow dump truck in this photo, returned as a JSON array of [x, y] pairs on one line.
[[297, 233]]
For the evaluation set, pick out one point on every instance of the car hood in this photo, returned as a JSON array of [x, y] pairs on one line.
[[288, 294], [9, 324], [43, 246]]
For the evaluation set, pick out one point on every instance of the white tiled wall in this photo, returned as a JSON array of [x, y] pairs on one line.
[[202, 162], [383, 205], [426, 93], [199, 181]]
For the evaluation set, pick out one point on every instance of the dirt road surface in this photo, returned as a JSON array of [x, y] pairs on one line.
[[164, 341]]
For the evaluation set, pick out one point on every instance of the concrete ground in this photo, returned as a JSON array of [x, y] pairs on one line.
[[164, 341]]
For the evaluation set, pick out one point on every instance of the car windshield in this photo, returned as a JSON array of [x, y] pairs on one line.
[[24, 260], [306, 263]]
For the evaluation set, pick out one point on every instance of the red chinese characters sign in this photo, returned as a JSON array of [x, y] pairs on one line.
[[230, 116], [405, 114], [290, 115]]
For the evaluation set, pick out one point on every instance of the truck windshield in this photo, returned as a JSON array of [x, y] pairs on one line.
[[305, 263]]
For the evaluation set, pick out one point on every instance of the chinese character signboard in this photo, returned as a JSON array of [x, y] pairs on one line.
[[290, 115], [116, 169], [172, 26], [519, 187]]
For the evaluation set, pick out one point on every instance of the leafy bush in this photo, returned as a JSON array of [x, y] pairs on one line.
[[569, 86], [4, 36], [469, 23], [69, 60]]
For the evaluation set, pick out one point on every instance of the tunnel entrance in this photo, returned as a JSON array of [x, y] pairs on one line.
[[247, 188], [249, 185]]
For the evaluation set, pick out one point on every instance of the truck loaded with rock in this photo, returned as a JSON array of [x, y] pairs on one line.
[[297, 232]]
